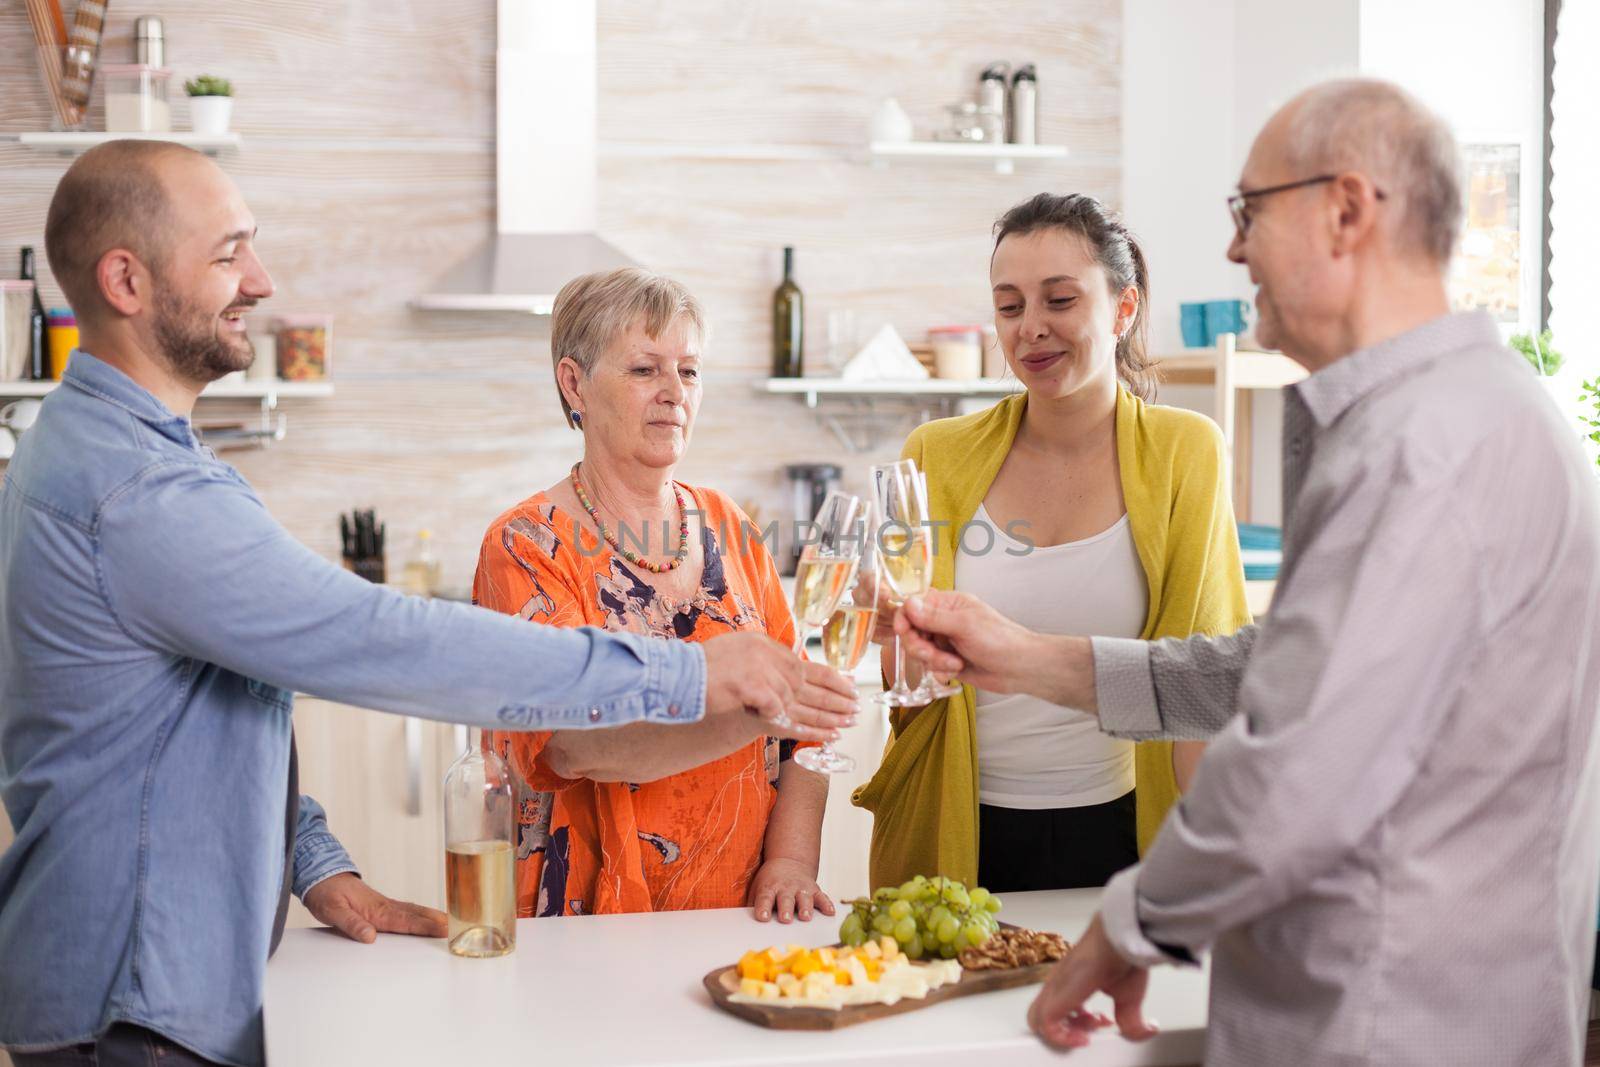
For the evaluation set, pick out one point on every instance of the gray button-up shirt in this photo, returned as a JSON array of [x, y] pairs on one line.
[[1393, 848]]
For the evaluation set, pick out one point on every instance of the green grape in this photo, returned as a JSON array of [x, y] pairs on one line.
[[914, 947], [974, 934], [992, 905], [937, 916], [980, 897], [909, 891], [887, 892], [899, 910], [852, 922], [904, 931], [882, 923], [956, 895], [947, 928], [948, 951]]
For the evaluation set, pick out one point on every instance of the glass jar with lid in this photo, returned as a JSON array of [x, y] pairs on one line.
[[957, 351], [136, 98]]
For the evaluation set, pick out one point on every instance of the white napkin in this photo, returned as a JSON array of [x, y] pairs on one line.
[[884, 356]]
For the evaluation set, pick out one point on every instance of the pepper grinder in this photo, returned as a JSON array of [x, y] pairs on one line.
[[992, 99], [1024, 124], [149, 41]]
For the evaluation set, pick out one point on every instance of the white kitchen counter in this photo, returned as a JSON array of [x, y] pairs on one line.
[[626, 989]]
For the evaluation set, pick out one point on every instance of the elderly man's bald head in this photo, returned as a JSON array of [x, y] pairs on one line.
[[1379, 129], [115, 196]]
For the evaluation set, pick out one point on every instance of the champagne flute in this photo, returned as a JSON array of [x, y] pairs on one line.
[[845, 637], [827, 564], [905, 542]]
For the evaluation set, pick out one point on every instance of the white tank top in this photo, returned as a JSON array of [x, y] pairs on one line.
[[1031, 753]]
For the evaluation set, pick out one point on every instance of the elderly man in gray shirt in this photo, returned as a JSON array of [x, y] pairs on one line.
[[1391, 847]]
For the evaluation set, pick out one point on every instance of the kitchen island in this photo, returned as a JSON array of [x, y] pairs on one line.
[[626, 989]]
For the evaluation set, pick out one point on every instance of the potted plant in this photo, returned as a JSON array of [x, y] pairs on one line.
[[1537, 350], [210, 104], [1589, 417]]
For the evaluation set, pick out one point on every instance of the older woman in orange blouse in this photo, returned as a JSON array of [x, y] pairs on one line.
[[644, 818]]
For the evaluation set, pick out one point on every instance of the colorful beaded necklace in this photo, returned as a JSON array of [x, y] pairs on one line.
[[628, 554]]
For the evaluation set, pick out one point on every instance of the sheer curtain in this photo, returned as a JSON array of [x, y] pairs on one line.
[[1575, 195]]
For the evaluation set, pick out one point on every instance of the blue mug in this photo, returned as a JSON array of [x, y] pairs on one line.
[[1192, 319], [1225, 316]]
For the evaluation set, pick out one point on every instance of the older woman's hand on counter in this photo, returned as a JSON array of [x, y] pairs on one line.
[[750, 672], [788, 889]]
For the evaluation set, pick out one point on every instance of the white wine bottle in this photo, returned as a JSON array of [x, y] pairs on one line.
[[480, 873]]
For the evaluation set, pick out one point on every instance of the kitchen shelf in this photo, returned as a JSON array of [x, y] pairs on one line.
[[245, 390], [268, 393], [77, 142], [913, 388], [1251, 370], [856, 417], [1235, 376], [1004, 156]]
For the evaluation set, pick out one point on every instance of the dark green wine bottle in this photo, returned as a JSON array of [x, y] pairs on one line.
[[788, 324], [38, 350]]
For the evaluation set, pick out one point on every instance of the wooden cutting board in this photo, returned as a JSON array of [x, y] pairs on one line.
[[723, 983]]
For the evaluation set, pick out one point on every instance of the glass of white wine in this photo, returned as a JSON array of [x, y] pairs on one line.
[[846, 635], [827, 565], [905, 542]]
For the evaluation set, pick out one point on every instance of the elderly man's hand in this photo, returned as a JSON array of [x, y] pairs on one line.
[[1093, 966], [958, 635], [750, 672], [360, 912]]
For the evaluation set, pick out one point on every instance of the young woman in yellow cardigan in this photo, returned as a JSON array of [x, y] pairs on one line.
[[1074, 507]]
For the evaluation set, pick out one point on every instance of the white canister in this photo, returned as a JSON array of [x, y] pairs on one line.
[[957, 352], [210, 115], [16, 329], [891, 123], [265, 342]]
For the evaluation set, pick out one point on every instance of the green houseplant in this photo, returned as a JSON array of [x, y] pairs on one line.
[[210, 104], [1539, 352], [1589, 417]]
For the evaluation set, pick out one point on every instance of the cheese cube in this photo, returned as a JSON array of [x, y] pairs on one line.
[[816, 986]]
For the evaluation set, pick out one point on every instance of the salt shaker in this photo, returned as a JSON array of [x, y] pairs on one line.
[[1025, 106], [992, 99]]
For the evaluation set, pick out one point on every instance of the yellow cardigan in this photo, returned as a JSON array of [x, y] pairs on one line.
[[924, 796]]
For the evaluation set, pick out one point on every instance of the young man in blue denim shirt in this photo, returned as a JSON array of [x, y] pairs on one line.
[[154, 622]]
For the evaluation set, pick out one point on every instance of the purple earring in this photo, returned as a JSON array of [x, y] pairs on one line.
[[577, 419]]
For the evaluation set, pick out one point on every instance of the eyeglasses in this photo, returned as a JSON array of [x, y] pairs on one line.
[[1239, 203]]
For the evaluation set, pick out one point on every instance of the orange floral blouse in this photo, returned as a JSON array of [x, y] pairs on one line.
[[691, 840]]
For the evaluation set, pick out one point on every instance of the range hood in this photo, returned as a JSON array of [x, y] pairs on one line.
[[545, 202]]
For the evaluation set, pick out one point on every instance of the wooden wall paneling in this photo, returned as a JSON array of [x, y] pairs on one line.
[[368, 162]]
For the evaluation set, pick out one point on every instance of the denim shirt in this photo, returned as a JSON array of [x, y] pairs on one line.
[[154, 622]]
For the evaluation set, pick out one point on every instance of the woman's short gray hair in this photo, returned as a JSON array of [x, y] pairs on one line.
[[593, 310], [1376, 127]]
